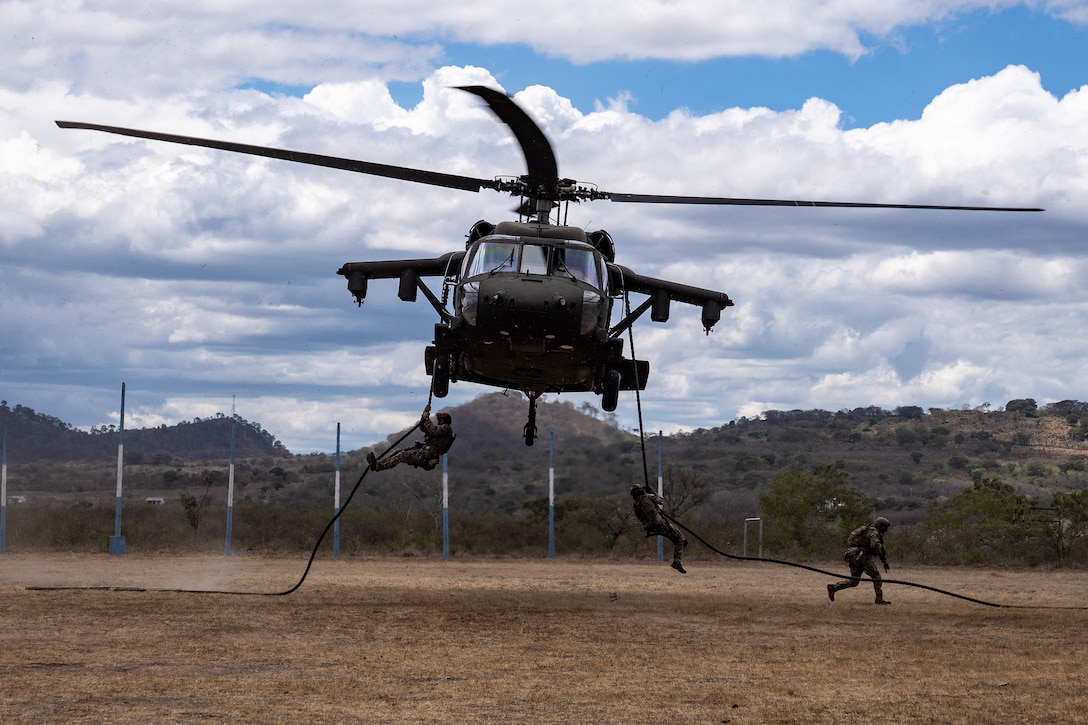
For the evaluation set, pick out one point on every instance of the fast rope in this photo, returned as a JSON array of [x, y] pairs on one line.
[[638, 389], [983, 602], [313, 553], [708, 545]]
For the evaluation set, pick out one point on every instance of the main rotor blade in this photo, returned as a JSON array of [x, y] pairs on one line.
[[543, 177], [728, 201], [434, 178]]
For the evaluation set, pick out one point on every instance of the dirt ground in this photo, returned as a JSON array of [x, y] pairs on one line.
[[528, 641]]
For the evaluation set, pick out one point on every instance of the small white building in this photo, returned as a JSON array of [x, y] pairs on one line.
[[155, 500]]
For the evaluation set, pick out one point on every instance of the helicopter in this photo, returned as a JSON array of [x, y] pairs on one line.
[[532, 299]]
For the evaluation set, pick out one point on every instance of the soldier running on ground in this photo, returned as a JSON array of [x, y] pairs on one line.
[[437, 439], [648, 506], [863, 544]]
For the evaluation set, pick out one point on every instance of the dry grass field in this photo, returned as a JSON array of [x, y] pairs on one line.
[[528, 641]]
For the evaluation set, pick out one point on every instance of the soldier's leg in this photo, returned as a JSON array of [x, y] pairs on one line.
[[415, 457], [679, 542], [676, 536], [878, 581], [855, 571], [390, 460]]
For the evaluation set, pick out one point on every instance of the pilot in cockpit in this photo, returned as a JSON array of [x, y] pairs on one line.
[[577, 264]]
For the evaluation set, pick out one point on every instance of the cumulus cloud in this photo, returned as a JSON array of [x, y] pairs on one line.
[[103, 47], [199, 276]]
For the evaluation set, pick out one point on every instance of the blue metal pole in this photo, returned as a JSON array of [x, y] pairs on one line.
[[445, 507], [551, 494], [117, 542], [660, 490], [4, 493], [336, 499], [230, 484]]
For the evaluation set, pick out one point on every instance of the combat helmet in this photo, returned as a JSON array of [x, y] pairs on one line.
[[444, 418], [882, 524]]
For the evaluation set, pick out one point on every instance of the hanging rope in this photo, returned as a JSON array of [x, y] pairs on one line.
[[983, 602], [708, 545], [645, 467], [321, 537], [638, 389], [313, 553]]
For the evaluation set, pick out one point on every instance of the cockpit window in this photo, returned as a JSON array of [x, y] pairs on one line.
[[506, 254], [534, 259], [493, 257], [578, 264]]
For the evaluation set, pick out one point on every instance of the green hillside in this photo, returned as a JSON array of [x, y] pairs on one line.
[[913, 465], [38, 437]]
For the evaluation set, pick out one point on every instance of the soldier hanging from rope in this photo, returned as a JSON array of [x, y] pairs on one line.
[[437, 439], [648, 507]]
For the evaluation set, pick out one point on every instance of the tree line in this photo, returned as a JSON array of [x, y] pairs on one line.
[[807, 515]]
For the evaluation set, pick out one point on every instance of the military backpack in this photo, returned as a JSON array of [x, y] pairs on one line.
[[859, 537]]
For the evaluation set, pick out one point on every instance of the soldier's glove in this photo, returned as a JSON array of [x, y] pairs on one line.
[[426, 410], [885, 566]]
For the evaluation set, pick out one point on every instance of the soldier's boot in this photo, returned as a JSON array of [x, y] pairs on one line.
[[379, 464], [831, 592], [882, 601], [678, 566]]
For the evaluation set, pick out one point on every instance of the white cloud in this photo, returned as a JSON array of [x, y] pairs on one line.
[[111, 49], [198, 275]]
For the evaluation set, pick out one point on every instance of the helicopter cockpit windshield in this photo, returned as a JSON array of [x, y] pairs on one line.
[[534, 259], [578, 264], [492, 256], [566, 260]]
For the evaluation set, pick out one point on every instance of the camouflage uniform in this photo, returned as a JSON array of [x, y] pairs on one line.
[[437, 439], [863, 545], [648, 507]]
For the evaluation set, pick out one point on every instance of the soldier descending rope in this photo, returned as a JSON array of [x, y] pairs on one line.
[[648, 510], [437, 439]]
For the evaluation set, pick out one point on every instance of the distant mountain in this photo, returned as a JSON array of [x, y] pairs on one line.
[[491, 467], [490, 423], [905, 459], [496, 421], [34, 436]]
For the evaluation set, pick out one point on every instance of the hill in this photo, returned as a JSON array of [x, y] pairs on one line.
[[38, 437], [905, 459], [491, 467], [494, 422]]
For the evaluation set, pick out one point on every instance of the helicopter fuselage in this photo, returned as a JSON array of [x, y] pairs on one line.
[[531, 311]]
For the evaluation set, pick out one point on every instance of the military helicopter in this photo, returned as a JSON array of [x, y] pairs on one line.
[[532, 299]]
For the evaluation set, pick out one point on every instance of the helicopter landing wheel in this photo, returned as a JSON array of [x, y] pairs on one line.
[[440, 377], [610, 394], [530, 426]]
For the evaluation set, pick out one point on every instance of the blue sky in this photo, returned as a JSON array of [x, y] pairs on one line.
[[896, 79], [202, 278]]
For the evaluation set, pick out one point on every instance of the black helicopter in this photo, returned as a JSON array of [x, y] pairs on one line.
[[531, 299]]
